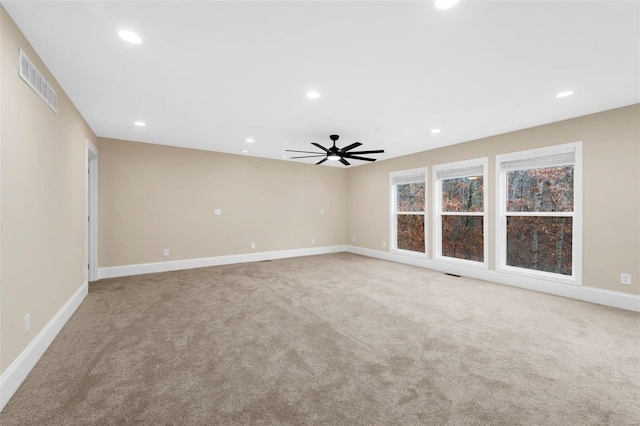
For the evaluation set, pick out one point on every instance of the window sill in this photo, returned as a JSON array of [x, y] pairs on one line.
[[408, 253], [462, 262], [539, 275]]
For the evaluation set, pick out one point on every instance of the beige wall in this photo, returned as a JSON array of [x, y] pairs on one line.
[[153, 197], [611, 178], [42, 215]]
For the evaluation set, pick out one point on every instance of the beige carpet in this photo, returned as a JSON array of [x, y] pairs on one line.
[[336, 339]]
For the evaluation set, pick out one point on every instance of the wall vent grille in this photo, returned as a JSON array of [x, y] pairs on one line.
[[30, 74]]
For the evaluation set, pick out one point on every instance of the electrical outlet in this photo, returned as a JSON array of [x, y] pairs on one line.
[[253, 245], [353, 240], [625, 279], [321, 211], [384, 244], [166, 252], [217, 212], [27, 323], [313, 241]]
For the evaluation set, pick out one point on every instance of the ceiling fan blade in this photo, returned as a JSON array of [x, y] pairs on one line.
[[320, 146], [309, 156], [345, 162], [321, 161], [306, 152], [353, 145], [355, 157], [376, 151]]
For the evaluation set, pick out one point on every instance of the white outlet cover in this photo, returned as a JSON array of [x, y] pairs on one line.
[[253, 245], [321, 211], [313, 241], [217, 212], [625, 279], [353, 240], [166, 252]]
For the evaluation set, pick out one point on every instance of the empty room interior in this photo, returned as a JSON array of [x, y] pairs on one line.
[[320, 212]]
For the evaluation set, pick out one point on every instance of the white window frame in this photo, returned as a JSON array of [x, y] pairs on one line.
[[501, 215], [438, 213], [393, 240]]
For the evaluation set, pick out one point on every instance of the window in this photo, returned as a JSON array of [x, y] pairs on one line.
[[408, 201], [540, 214], [460, 215]]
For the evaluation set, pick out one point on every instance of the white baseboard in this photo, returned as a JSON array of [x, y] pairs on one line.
[[588, 294], [175, 265], [13, 376], [614, 299]]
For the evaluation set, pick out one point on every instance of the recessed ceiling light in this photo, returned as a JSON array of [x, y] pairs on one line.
[[564, 94], [244, 151], [250, 140], [313, 94], [435, 131], [446, 4], [130, 36], [140, 123]]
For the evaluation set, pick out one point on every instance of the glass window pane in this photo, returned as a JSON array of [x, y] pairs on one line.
[[545, 189], [410, 197], [411, 232], [463, 238], [462, 194], [540, 243]]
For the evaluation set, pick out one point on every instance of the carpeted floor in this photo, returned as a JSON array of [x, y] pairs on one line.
[[335, 339]]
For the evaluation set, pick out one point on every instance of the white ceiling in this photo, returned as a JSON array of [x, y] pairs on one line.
[[208, 75]]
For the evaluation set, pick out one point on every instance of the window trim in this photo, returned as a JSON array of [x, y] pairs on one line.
[[393, 241], [577, 214], [437, 213]]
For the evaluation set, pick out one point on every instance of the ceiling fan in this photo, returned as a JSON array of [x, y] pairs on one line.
[[338, 154]]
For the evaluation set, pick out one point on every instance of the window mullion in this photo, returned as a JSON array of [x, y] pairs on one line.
[[461, 213], [540, 214]]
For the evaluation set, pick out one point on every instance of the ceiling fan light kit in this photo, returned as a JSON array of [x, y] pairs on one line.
[[338, 154]]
